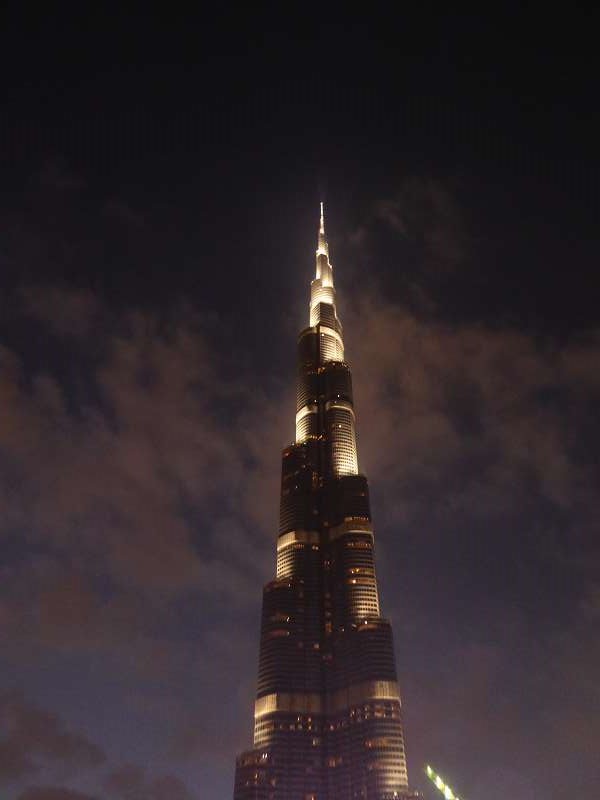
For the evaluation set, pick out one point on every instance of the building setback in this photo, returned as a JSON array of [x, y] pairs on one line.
[[327, 716]]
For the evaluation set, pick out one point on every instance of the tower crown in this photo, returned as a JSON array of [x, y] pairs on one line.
[[324, 271], [322, 247], [322, 292]]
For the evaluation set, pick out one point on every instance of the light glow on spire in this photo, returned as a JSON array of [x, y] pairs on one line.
[[322, 248], [322, 292]]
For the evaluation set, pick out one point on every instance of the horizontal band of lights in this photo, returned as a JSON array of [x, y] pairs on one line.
[[356, 525], [335, 404], [439, 783], [321, 292], [297, 702], [311, 703], [291, 537], [326, 331]]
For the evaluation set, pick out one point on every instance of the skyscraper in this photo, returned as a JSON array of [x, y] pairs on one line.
[[327, 716]]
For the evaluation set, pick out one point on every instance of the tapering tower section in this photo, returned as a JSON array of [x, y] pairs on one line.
[[327, 712], [321, 354]]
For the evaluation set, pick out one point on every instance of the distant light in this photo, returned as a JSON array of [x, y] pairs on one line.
[[440, 784]]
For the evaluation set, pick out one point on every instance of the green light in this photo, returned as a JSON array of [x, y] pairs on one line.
[[440, 784]]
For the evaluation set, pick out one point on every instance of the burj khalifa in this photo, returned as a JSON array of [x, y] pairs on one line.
[[327, 714]]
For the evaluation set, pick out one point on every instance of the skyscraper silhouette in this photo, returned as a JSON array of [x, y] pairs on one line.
[[327, 718]]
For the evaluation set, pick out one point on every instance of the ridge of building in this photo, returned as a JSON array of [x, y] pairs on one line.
[[328, 717]]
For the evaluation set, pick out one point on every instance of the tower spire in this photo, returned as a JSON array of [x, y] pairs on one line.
[[322, 248]]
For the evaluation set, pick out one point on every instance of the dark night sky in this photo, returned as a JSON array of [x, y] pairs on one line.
[[161, 174]]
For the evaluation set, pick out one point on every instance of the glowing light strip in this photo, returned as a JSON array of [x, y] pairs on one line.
[[297, 702], [343, 404], [307, 537], [321, 292], [310, 703], [324, 329], [305, 411], [439, 783], [350, 526], [363, 693]]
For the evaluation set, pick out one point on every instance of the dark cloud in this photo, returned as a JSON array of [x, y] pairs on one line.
[[53, 793], [122, 211], [129, 514], [425, 212], [423, 224], [71, 313], [56, 175], [130, 782], [492, 398], [120, 485], [35, 739]]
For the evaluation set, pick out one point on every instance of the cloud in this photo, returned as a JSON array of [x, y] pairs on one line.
[[425, 214], [36, 741], [122, 211], [56, 175], [53, 793], [516, 713], [476, 441], [33, 738], [73, 313], [122, 486], [130, 782], [493, 402], [140, 516]]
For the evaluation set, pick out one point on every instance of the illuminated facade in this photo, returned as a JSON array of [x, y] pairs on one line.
[[327, 718]]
